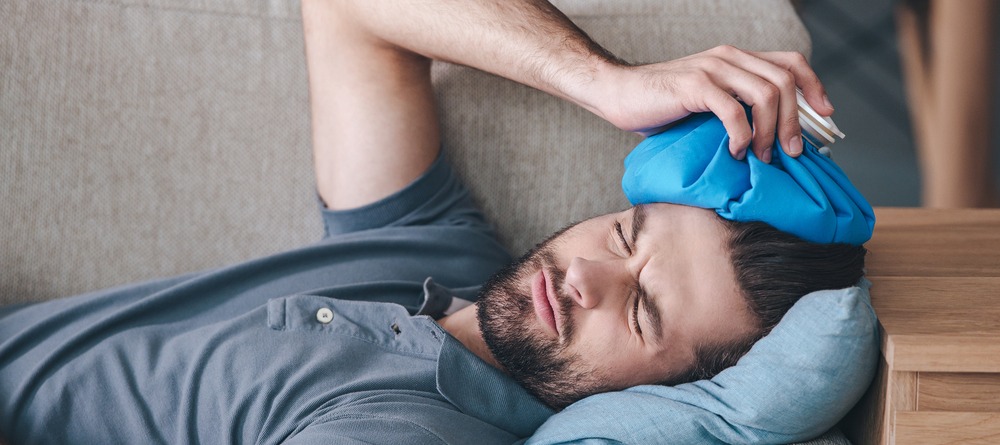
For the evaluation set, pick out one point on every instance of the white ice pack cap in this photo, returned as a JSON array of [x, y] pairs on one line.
[[818, 130]]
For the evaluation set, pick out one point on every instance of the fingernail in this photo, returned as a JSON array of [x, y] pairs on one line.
[[766, 156], [741, 155], [795, 145], [826, 100]]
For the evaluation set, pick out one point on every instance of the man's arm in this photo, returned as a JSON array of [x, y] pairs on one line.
[[374, 124]]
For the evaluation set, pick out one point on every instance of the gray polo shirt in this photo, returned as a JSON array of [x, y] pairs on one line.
[[330, 343]]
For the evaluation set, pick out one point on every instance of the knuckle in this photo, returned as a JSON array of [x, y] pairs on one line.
[[786, 79], [701, 78], [769, 93], [795, 57], [734, 113], [724, 49], [710, 63]]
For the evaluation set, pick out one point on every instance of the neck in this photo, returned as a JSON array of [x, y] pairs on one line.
[[464, 326]]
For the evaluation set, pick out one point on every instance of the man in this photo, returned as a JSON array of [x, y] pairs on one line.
[[320, 344]]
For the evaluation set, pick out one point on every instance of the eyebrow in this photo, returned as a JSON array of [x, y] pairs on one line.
[[638, 222], [652, 311]]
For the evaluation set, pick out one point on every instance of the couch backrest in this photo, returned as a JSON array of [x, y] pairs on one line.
[[536, 163], [144, 138]]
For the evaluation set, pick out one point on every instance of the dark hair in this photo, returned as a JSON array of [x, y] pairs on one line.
[[774, 269]]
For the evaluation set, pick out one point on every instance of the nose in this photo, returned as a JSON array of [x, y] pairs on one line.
[[590, 282]]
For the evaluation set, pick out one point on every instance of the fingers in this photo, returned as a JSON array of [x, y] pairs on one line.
[[731, 113], [785, 118], [650, 96], [762, 94], [805, 78], [773, 101], [763, 99], [772, 78]]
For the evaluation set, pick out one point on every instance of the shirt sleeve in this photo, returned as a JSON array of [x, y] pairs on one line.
[[435, 198]]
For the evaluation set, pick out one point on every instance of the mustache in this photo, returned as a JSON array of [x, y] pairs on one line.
[[546, 260], [541, 364]]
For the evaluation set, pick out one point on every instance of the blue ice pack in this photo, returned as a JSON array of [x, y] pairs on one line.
[[808, 196]]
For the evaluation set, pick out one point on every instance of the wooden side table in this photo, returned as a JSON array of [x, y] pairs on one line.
[[936, 290]]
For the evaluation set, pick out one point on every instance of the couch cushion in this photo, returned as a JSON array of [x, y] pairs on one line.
[[145, 138]]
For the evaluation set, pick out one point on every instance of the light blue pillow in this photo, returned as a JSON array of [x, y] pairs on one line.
[[793, 385]]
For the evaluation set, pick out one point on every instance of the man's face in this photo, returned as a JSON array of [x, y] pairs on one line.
[[615, 301]]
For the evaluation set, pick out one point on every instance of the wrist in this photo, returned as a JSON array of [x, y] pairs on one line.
[[593, 88]]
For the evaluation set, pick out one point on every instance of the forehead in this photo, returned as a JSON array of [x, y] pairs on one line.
[[687, 266], [680, 217], [688, 244], [689, 231], [686, 247]]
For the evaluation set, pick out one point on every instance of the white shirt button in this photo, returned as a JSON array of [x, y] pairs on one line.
[[324, 315]]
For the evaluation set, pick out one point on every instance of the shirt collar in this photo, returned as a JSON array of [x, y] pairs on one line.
[[474, 386], [482, 391], [440, 301]]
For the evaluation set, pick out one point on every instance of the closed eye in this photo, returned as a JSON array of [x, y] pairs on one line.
[[621, 236], [635, 315]]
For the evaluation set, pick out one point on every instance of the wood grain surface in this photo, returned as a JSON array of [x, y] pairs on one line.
[[936, 291]]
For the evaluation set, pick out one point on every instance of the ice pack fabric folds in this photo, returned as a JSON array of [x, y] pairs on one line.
[[808, 196]]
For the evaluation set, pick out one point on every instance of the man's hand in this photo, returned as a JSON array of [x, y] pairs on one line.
[[374, 123], [532, 42], [646, 98]]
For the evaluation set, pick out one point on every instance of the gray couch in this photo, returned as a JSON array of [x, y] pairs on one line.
[[145, 138]]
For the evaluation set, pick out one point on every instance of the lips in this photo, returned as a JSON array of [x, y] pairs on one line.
[[543, 299]]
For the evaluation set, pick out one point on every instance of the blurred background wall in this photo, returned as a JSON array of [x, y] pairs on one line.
[[856, 54]]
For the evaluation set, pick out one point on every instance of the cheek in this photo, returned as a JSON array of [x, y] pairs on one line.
[[623, 367], [589, 239], [609, 349], [606, 346]]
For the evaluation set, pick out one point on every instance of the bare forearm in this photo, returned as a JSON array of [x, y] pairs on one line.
[[374, 126], [529, 41], [532, 42], [374, 123]]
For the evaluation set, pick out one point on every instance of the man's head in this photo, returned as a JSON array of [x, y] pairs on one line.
[[659, 293]]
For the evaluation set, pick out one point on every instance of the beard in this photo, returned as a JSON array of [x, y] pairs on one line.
[[539, 363]]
